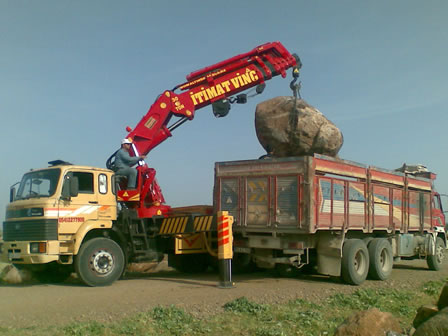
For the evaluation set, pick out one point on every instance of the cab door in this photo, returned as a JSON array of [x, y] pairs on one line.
[[106, 198], [438, 218], [75, 211]]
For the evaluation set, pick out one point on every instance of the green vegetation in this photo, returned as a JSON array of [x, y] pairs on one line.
[[245, 317]]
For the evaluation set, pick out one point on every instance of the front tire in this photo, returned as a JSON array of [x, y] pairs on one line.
[[381, 259], [100, 262], [355, 261], [435, 261]]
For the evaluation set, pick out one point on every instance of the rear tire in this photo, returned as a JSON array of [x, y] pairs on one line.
[[355, 261], [100, 262], [381, 259], [435, 261]]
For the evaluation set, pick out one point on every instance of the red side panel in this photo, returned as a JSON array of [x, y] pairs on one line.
[[357, 205], [382, 208], [398, 209], [340, 204]]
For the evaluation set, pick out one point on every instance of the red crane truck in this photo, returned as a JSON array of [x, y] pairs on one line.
[[67, 217]]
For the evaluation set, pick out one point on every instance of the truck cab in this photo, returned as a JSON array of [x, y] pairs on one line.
[[53, 209]]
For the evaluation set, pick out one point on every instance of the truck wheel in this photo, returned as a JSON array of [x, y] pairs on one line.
[[100, 261], [355, 261], [435, 261], [381, 259]]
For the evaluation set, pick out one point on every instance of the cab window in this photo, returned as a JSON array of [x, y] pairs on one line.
[[102, 183], [437, 203], [85, 182]]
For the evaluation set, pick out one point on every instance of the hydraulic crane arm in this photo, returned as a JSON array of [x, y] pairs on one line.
[[215, 84], [210, 85]]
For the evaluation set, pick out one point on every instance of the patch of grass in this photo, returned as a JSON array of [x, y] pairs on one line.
[[397, 302], [84, 329], [243, 305], [175, 320], [433, 288], [244, 317]]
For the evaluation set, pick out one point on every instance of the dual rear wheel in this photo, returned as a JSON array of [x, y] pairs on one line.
[[360, 260]]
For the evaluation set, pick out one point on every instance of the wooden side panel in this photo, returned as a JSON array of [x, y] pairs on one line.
[[324, 203], [286, 206], [426, 211], [398, 210], [419, 183], [413, 211], [344, 168], [377, 175], [338, 218], [357, 206], [230, 198], [382, 211], [257, 202]]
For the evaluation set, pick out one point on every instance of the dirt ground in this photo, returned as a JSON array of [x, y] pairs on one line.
[[35, 304]]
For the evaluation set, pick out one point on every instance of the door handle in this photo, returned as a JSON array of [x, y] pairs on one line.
[[93, 202]]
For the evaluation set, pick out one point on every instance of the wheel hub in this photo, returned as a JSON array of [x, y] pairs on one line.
[[359, 262], [102, 262]]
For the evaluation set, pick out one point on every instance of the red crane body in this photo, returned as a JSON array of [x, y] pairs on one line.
[[203, 87]]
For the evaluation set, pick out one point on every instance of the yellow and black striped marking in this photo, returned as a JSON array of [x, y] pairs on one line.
[[174, 225], [202, 223], [187, 224]]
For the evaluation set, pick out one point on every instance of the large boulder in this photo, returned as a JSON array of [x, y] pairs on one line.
[[370, 322], [435, 326], [287, 126], [424, 313], [443, 298], [433, 320]]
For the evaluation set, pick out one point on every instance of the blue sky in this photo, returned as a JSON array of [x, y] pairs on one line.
[[74, 74]]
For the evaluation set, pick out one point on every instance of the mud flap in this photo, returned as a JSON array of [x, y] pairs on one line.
[[430, 243], [329, 253]]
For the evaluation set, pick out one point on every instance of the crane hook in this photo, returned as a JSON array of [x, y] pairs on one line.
[[295, 87]]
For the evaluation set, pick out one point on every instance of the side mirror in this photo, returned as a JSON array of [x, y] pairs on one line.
[[12, 194], [70, 188], [221, 108]]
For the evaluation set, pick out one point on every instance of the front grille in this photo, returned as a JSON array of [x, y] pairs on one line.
[[40, 229]]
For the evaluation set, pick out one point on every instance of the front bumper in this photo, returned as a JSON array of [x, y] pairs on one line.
[[18, 252]]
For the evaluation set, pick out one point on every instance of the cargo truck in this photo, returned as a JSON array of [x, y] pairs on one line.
[[344, 218]]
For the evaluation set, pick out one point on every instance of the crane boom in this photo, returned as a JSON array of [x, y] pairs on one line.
[[211, 85]]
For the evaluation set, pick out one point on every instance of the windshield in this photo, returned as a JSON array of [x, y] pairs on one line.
[[41, 183]]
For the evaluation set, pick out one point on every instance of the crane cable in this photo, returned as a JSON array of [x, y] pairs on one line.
[[295, 87]]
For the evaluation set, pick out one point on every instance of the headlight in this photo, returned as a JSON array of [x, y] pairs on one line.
[[35, 212], [38, 247]]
